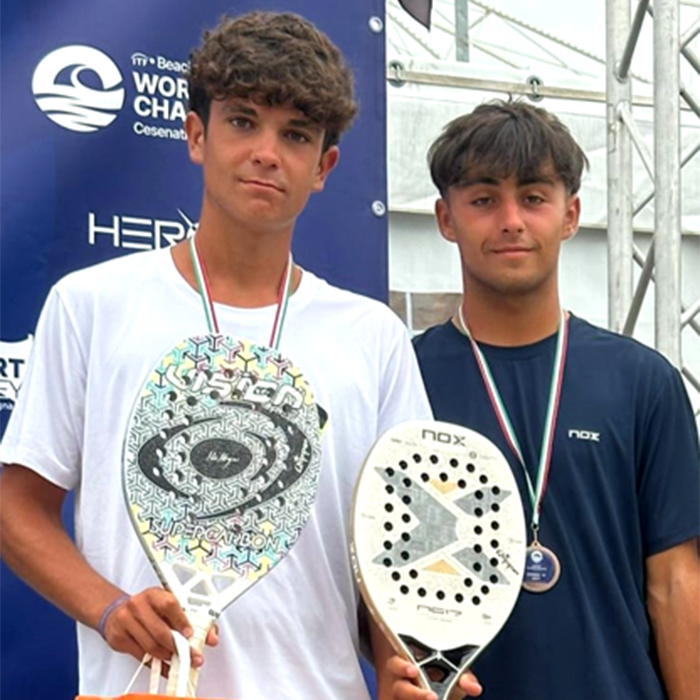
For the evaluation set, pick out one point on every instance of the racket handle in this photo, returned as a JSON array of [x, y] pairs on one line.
[[201, 625]]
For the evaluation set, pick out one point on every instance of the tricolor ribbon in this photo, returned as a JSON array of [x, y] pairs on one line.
[[537, 492], [204, 289]]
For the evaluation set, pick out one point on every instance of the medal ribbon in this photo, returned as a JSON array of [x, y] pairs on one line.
[[204, 289], [537, 492]]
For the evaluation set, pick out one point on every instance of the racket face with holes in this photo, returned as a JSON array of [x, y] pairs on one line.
[[438, 544], [220, 466]]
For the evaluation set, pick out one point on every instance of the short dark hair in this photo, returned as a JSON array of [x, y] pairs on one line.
[[507, 139], [274, 59]]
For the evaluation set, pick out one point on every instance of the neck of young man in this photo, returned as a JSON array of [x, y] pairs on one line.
[[511, 320], [244, 267]]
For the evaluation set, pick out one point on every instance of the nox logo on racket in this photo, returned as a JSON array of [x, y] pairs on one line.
[[445, 438]]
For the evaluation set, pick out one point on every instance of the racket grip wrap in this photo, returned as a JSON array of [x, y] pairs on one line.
[[201, 625], [117, 602]]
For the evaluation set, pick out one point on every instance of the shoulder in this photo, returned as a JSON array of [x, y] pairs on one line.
[[336, 306], [438, 341], [615, 352], [604, 361], [120, 273], [104, 288], [103, 293]]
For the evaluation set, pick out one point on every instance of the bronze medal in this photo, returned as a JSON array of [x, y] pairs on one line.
[[542, 569]]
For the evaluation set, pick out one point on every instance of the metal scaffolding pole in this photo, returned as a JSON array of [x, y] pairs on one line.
[[663, 262], [667, 210], [619, 161], [462, 30]]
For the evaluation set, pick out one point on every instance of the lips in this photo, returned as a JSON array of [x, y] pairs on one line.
[[511, 250], [263, 183]]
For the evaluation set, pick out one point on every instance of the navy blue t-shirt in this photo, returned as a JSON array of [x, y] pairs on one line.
[[624, 484]]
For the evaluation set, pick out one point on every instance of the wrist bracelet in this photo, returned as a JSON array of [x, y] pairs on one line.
[[108, 611]]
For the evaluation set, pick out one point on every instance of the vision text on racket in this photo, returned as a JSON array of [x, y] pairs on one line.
[[242, 387]]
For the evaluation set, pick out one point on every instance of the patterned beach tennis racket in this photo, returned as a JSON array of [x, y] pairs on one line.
[[221, 464], [438, 545]]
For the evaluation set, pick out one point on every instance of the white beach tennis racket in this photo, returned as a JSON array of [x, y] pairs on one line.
[[221, 464], [438, 545]]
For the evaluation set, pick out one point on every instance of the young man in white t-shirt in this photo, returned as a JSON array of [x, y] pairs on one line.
[[270, 96]]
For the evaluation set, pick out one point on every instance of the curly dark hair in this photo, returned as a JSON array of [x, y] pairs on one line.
[[508, 139], [274, 59]]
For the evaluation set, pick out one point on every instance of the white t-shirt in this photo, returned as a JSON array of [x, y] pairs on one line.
[[293, 634]]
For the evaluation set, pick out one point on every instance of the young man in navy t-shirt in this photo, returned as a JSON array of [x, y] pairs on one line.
[[598, 424]]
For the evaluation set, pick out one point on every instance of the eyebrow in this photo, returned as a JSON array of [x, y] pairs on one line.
[[489, 180], [306, 124], [478, 180], [538, 180], [240, 108], [235, 107]]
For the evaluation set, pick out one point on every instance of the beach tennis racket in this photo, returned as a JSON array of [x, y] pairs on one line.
[[220, 468], [438, 545]]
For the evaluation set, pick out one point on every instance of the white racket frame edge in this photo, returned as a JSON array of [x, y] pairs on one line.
[[361, 565]]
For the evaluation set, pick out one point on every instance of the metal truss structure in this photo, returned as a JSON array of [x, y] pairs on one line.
[[662, 261]]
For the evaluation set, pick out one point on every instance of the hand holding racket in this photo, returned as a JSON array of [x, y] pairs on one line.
[[438, 545], [221, 465], [143, 624]]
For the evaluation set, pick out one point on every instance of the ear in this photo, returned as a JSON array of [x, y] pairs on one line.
[[194, 128], [329, 159], [571, 217], [443, 216]]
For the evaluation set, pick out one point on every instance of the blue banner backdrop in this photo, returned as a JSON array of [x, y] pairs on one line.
[[94, 165]]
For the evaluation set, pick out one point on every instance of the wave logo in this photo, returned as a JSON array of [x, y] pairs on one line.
[[79, 88]]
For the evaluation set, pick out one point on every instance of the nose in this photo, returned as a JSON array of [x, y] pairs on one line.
[[511, 216], [265, 149]]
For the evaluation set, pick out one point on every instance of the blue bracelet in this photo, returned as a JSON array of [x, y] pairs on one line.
[[108, 611]]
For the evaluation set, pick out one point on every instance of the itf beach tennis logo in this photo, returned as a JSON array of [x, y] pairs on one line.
[[79, 88], [13, 363]]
